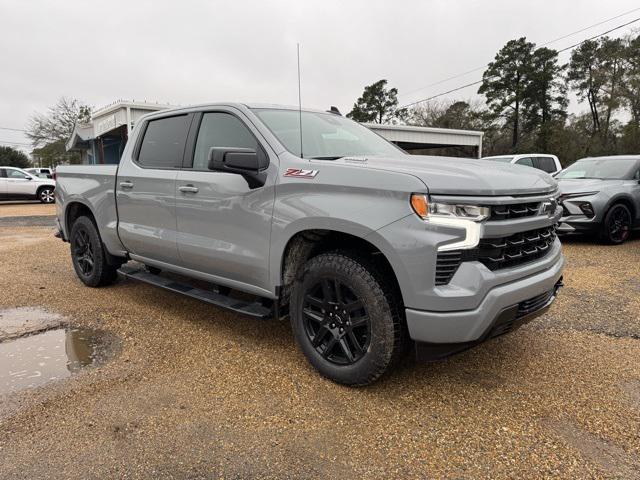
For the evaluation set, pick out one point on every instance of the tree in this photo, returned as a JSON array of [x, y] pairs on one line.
[[504, 83], [50, 131], [584, 79], [545, 101], [10, 157], [631, 83], [611, 53], [377, 104]]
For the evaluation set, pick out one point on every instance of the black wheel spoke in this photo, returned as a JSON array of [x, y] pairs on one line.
[[320, 335], [315, 316], [315, 302], [346, 349], [356, 344], [326, 291], [354, 306], [329, 347], [359, 321]]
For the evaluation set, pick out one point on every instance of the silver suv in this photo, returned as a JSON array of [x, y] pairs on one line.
[[363, 247], [601, 196]]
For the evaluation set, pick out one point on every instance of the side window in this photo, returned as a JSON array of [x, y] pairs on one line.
[[163, 142], [525, 161], [16, 174], [546, 164], [3, 173], [220, 130]]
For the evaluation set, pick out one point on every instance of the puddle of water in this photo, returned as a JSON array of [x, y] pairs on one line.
[[30, 361]]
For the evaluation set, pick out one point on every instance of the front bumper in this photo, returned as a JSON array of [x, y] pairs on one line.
[[473, 325], [577, 224]]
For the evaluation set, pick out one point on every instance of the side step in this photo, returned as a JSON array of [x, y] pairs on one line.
[[253, 309]]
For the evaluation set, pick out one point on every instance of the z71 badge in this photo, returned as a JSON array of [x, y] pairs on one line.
[[300, 173]]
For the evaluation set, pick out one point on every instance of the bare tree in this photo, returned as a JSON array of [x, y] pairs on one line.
[[56, 125]]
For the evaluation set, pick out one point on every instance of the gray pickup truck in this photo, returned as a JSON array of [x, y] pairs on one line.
[[366, 249]]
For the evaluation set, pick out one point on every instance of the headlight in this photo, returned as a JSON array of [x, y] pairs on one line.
[[467, 217], [566, 196], [425, 209]]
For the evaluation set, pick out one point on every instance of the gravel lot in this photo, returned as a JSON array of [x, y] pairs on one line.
[[196, 392]]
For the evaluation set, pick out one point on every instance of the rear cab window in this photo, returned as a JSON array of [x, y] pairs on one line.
[[527, 161], [163, 142], [546, 164]]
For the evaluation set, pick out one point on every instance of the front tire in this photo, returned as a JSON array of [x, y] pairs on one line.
[[616, 227], [347, 319], [46, 195], [88, 255]]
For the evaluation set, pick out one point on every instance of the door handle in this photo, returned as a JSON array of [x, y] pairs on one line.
[[126, 184], [188, 189]]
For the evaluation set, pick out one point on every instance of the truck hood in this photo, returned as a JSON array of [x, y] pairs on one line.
[[461, 176], [583, 185]]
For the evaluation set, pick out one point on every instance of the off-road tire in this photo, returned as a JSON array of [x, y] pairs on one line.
[[387, 327], [86, 248]]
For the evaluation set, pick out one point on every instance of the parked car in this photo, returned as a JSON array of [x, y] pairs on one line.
[[17, 184], [601, 195], [541, 161], [362, 245], [40, 172]]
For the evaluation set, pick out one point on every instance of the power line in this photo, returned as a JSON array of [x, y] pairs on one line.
[[13, 129], [541, 45], [4, 142], [480, 81]]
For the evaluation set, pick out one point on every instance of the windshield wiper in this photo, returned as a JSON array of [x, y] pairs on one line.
[[327, 157]]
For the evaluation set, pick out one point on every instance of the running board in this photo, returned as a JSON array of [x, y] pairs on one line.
[[253, 309]]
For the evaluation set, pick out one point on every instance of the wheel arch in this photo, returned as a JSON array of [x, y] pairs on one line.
[[624, 200], [308, 243]]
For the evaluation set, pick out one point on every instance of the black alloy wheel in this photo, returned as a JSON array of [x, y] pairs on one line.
[[83, 251], [91, 262], [336, 322], [618, 224]]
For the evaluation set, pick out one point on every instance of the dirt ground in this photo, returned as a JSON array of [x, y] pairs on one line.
[[196, 392], [12, 209]]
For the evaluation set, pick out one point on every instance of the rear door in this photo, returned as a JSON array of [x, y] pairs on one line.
[[224, 226], [146, 189]]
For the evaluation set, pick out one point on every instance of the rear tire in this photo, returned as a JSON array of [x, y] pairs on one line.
[[46, 195], [88, 255], [616, 227], [347, 318]]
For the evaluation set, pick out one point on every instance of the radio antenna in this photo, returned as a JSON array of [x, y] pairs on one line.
[[299, 102]]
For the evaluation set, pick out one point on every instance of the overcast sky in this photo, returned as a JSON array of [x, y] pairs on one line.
[[200, 51]]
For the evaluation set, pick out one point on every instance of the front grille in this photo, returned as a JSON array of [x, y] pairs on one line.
[[523, 247], [498, 253], [516, 210]]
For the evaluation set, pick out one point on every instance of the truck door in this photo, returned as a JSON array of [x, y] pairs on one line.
[[145, 189], [224, 226]]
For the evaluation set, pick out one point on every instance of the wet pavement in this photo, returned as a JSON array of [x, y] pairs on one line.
[[36, 359], [196, 392]]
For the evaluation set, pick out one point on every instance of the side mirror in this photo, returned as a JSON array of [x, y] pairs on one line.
[[242, 161]]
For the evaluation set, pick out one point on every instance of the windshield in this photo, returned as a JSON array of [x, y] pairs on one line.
[[325, 135], [499, 159], [600, 168]]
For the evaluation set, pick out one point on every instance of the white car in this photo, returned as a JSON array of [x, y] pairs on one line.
[[16, 184], [541, 161]]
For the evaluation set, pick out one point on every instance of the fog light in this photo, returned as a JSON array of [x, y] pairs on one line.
[[587, 209]]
